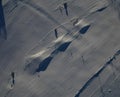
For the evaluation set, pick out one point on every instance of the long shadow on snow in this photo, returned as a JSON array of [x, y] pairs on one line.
[[45, 63], [84, 29], [63, 46], [2, 22]]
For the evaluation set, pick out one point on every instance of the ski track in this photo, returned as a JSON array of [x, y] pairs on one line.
[[97, 74]]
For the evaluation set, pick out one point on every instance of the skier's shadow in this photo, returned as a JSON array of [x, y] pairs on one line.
[[3, 32]]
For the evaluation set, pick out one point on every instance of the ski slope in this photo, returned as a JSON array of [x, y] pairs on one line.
[[60, 48]]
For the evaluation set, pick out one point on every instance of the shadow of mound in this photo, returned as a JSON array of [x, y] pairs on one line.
[[38, 65], [3, 32], [84, 29], [44, 64], [63, 46]]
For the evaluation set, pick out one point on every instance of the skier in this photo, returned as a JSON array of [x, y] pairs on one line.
[[56, 33], [13, 77]]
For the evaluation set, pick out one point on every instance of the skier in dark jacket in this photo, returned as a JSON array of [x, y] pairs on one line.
[[56, 33], [3, 32], [13, 77]]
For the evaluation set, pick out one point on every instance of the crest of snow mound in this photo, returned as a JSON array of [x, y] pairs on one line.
[[84, 25], [63, 38], [40, 61], [32, 62]]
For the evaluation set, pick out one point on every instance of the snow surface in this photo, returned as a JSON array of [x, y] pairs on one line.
[[54, 51]]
